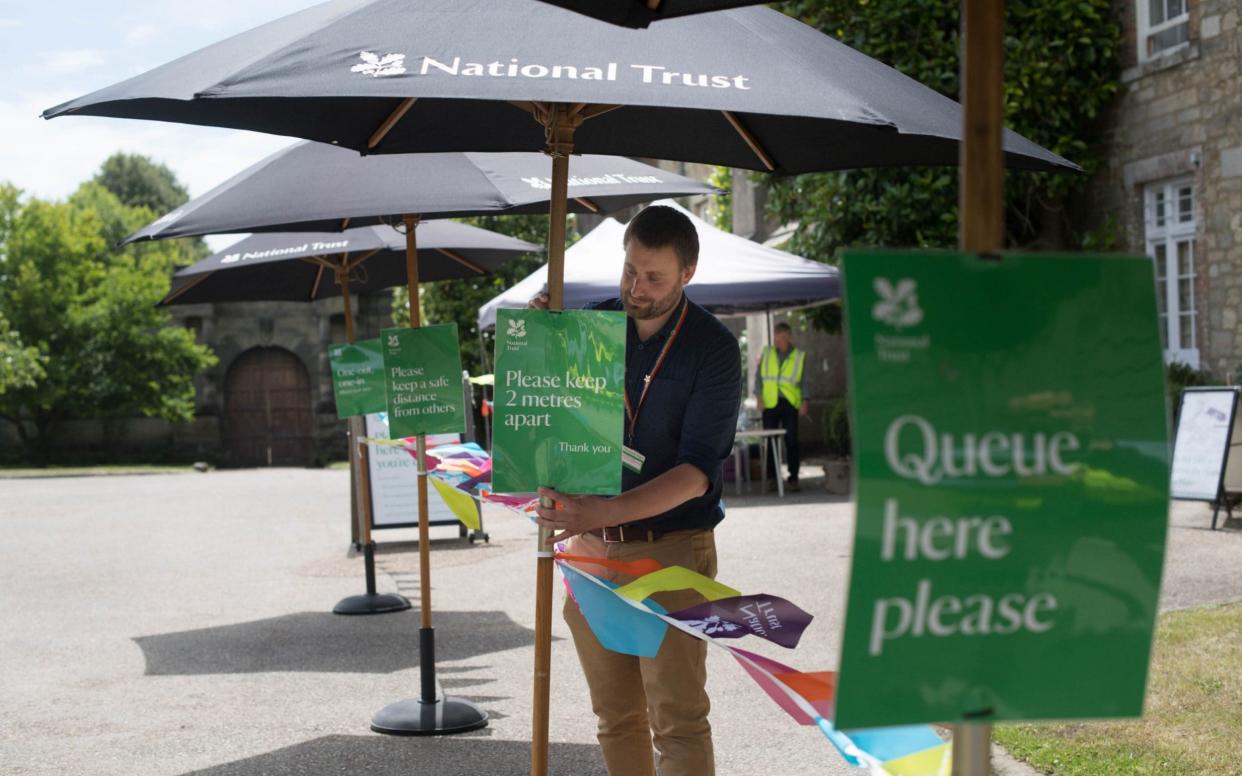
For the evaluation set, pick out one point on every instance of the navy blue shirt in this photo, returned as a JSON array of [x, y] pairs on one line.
[[690, 414]]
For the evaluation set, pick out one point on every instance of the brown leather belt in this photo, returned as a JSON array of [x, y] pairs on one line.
[[623, 533]]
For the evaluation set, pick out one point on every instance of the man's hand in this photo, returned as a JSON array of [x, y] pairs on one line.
[[539, 301], [574, 514], [805, 411]]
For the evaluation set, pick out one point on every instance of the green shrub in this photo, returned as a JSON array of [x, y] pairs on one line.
[[1181, 376], [837, 428]]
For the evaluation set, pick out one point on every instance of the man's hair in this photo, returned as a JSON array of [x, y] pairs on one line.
[[661, 226], [782, 327]]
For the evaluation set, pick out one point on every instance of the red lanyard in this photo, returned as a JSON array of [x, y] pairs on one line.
[[631, 411]]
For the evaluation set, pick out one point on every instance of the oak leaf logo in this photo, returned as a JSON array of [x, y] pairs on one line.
[[898, 305], [374, 65]]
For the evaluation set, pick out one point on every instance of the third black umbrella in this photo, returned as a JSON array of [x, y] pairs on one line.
[[306, 266]]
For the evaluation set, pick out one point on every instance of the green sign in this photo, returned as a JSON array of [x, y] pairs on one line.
[[559, 401], [1012, 479], [357, 378], [422, 376]]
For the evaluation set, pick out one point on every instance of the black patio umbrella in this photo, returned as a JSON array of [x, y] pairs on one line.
[[748, 87], [640, 13], [306, 266], [318, 187]]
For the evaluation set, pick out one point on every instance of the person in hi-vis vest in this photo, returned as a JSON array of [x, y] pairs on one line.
[[781, 377]]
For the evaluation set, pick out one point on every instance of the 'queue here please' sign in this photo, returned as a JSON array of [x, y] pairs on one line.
[[1012, 487]]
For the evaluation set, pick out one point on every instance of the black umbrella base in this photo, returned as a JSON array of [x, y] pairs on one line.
[[372, 603], [414, 718]]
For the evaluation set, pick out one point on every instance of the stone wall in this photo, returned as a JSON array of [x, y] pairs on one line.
[[306, 330], [1181, 115]]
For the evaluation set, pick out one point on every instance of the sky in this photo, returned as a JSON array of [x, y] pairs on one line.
[[61, 50]]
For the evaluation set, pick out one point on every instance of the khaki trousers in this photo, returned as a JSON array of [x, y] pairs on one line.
[[661, 700]]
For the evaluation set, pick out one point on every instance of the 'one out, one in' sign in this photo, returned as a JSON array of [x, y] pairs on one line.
[[1012, 482], [422, 374], [358, 378], [560, 378]]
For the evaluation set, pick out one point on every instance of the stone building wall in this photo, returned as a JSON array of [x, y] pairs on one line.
[[1180, 115], [231, 330]]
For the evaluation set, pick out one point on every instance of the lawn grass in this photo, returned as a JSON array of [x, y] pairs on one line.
[[1193, 718], [93, 471]]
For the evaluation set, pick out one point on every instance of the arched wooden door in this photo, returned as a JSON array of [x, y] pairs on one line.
[[267, 410]]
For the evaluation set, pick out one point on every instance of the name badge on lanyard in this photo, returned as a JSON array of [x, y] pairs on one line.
[[632, 459]]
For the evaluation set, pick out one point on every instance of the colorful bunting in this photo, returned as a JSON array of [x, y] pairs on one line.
[[459, 502], [627, 620], [616, 614], [766, 616]]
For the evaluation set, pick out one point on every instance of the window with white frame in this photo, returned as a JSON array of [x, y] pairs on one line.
[[1163, 27], [1169, 209]]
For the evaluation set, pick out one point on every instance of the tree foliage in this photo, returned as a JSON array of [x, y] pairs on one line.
[[88, 310], [1061, 66], [139, 182], [20, 366], [458, 301]]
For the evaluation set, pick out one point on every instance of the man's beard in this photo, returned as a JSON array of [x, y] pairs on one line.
[[650, 309]]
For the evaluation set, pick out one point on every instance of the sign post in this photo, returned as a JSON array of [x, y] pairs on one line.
[[358, 384], [422, 375], [981, 224], [557, 422], [1012, 455]]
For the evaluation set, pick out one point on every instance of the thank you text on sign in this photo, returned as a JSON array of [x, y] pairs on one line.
[[1012, 487], [357, 378], [422, 374], [559, 404]]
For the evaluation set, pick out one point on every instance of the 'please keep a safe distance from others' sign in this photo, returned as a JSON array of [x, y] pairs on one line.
[[422, 374], [559, 407], [357, 378], [1012, 487]]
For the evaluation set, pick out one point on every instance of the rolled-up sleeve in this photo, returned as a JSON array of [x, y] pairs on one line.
[[711, 413]]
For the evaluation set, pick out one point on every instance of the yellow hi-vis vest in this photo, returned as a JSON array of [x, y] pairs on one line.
[[781, 379]]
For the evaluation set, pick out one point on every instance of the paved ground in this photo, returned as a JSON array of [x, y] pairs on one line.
[[181, 624]]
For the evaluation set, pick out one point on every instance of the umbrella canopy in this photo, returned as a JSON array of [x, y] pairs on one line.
[[301, 267], [640, 13], [735, 275], [749, 87], [318, 187]]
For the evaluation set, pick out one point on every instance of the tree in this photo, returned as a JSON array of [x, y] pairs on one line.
[[458, 301], [1061, 67], [139, 182], [88, 310], [20, 366]]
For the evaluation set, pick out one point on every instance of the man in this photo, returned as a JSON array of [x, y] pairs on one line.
[[682, 386], [782, 380]]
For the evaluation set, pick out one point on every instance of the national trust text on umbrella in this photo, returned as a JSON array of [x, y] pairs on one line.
[[648, 74]]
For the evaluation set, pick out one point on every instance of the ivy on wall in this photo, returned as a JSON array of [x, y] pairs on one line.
[[1061, 71]]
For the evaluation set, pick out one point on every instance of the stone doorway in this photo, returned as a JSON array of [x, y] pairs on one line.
[[267, 410]]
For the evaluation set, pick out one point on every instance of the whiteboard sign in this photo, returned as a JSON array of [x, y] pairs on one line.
[[1204, 427], [394, 481]]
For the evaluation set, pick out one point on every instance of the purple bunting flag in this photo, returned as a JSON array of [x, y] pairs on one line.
[[766, 616]]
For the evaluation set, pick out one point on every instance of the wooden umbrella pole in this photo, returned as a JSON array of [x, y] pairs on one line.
[[357, 453], [424, 537], [559, 124], [982, 226], [355, 509]]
